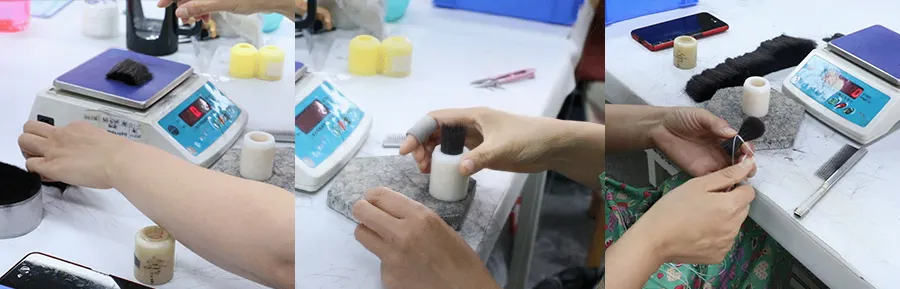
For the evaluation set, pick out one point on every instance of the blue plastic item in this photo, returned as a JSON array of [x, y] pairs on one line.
[[395, 9], [563, 12], [47, 9], [621, 10], [271, 21]]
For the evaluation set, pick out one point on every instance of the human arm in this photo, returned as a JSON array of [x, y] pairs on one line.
[[198, 8], [695, 223], [691, 137], [242, 226], [416, 247], [508, 142]]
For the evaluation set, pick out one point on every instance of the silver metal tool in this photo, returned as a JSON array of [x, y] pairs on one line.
[[834, 169]]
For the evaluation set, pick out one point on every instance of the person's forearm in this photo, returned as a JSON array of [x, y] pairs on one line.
[[242, 226], [630, 261], [629, 126], [582, 155]]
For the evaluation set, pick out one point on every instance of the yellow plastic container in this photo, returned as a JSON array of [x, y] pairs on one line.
[[365, 53], [243, 62], [396, 57], [271, 63]]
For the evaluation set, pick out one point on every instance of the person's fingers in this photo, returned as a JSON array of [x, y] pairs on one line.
[[197, 8], [739, 198], [33, 144], [409, 145], [39, 165], [728, 177], [391, 202], [371, 241], [749, 151], [478, 158], [374, 218], [166, 3], [715, 124], [461, 116], [38, 128]]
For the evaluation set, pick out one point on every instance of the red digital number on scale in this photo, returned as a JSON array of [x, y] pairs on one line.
[[196, 112], [856, 92]]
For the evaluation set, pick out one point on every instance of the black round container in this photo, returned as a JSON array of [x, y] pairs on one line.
[[21, 202]]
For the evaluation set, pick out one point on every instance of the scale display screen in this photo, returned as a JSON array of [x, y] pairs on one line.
[[325, 119], [311, 116], [842, 93], [194, 112]]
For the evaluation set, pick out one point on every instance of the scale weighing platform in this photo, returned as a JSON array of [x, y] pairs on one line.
[[329, 129], [177, 111], [853, 84]]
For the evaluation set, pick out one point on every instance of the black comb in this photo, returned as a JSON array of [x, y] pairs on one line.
[[752, 128], [453, 139], [835, 162], [130, 72]]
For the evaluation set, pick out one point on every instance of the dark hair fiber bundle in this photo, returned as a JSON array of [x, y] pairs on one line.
[[772, 55]]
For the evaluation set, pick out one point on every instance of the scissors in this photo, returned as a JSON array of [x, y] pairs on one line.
[[498, 81]]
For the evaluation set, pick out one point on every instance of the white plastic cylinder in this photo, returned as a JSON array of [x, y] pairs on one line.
[[100, 19], [685, 52], [271, 63], [257, 156], [446, 182], [154, 256], [757, 92]]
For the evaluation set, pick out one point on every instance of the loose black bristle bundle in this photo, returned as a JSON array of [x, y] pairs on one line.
[[752, 128], [453, 139], [772, 55], [833, 37], [17, 184], [835, 162], [130, 72]]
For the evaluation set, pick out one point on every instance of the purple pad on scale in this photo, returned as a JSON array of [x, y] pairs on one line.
[[90, 78], [876, 46]]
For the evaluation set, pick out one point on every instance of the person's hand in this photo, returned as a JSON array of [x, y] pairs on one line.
[[417, 249], [497, 140], [696, 223], [200, 9], [78, 154], [692, 137]]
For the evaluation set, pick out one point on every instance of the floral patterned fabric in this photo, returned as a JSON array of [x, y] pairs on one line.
[[756, 261]]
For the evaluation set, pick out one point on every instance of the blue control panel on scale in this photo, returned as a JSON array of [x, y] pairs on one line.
[[201, 119], [840, 92], [322, 124]]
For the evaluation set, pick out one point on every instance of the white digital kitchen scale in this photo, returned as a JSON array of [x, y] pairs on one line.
[[177, 111], [329, 130], [843, 86]]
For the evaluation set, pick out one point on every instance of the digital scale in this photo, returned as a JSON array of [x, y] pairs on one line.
[[329, 129], [853, 84], [178, 111]]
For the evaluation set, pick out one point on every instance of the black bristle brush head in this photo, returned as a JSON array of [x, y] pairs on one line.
[[752, 128], [17, 184], [453, 139], [130, 72]]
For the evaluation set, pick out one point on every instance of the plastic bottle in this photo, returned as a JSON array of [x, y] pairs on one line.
[[14, 15]]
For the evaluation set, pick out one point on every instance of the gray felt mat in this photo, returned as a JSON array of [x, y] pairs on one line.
[[398, 173], [782, 121], [282, 176]]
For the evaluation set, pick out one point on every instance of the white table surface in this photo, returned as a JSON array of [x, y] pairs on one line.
[[848, 239], [451, 49], [93, 227]]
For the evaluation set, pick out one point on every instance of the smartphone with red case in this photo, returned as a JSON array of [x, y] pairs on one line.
[[660, 36]]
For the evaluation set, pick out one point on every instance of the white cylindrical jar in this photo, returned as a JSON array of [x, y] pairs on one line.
[[154, 256], [757, 92], [257, 156], [100, 19], [447, 183], [685, 52]]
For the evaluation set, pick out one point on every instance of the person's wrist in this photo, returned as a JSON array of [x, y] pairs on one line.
[[119, 160], [656, 125], [650, 239]]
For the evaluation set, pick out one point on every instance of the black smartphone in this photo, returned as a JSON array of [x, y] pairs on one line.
[[662, 35], [42, 271]]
